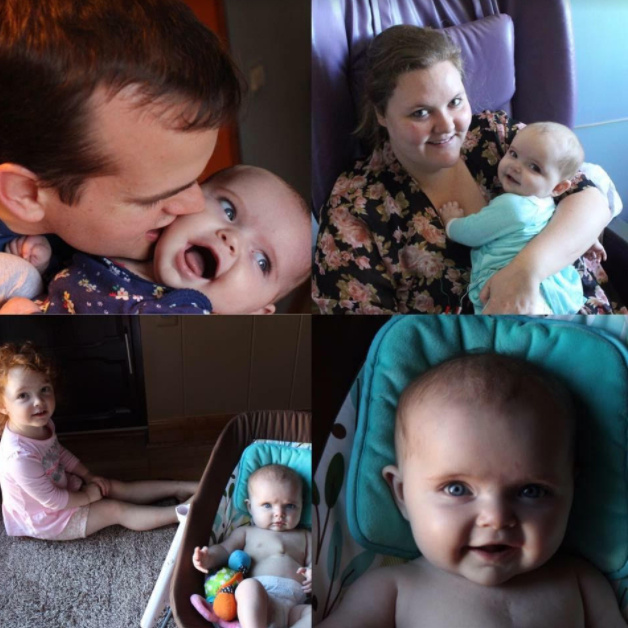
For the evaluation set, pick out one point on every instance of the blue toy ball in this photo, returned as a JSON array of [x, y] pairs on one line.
[[239, 559]]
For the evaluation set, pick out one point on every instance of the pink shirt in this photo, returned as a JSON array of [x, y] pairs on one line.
[[35, 480]]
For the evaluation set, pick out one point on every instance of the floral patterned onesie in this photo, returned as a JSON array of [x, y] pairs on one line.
[[96, 285], [382, 248]]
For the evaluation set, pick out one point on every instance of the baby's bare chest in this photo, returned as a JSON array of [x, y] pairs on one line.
[[263, 543], [462, 606]]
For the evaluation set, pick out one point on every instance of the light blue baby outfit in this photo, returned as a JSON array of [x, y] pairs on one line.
[[498, 232]]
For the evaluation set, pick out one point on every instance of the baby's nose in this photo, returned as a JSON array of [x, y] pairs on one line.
[[497, 514], [229, 239]]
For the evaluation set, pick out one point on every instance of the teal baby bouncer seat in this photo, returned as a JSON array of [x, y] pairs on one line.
[[357, 526]]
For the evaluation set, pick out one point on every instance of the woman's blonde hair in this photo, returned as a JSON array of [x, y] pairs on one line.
[[395, 51], [24, 355]]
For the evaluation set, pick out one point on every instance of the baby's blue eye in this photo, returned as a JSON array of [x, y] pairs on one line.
[[266, 506], [456, 489], [229, 209], [533, 491], [535, 168], [263, 262]]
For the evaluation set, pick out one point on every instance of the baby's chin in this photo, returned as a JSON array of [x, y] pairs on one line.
[[489, 579]]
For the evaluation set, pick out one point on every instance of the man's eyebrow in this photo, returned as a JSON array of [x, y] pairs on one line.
[[163, 195]]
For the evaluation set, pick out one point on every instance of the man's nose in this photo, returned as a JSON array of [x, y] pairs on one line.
[[189, 201]]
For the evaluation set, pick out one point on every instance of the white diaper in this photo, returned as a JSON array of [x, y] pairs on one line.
[[283, 594]]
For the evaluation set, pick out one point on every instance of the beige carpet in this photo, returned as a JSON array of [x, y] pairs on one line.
[[103, 581]]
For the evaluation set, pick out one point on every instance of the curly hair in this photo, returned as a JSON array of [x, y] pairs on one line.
[[25, 355]]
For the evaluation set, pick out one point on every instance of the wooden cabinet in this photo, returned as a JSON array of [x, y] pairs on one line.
[[218, 366], [100, 380]]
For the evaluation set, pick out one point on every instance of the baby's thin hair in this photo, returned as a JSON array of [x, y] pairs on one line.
[[276, 473], [25, 355], [572, 153], [478, 380]]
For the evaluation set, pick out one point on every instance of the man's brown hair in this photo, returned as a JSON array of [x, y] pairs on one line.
[[54, 54]]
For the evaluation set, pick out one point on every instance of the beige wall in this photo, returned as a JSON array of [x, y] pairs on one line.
[[213, 365]]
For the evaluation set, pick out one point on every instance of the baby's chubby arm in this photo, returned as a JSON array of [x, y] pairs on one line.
[[601, 609], [306, 571], [208, 558], [370, 602], [498, 219]]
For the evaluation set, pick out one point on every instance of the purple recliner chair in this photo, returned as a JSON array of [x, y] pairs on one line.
[[519, 56]]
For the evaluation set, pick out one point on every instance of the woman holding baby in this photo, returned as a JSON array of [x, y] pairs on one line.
[[382, 247]]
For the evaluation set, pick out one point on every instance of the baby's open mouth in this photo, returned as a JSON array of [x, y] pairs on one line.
[[202, 261]]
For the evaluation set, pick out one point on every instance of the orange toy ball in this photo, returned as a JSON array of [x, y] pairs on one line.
[[225, 606]]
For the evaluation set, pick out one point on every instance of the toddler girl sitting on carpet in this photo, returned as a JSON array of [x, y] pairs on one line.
[[46, 492], [281, 573]]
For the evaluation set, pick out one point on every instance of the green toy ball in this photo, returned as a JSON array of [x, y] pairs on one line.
[[217, 580]]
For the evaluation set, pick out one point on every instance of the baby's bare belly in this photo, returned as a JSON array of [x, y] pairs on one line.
[[281, 565]]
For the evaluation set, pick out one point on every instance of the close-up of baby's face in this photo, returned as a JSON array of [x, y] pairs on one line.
[[530, 166], [275, 505], [487, 496], [249, 247]]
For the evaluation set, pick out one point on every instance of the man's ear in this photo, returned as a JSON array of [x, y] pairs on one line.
[[393, 478], [563, 186], [20, 193]]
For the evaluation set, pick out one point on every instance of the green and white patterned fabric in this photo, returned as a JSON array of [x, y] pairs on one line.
[[588, 353]]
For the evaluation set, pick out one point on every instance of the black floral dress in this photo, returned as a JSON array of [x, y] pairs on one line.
[[382, 248]]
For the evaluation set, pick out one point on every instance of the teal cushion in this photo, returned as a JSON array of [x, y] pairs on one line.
[[260, 454], [593, 364]]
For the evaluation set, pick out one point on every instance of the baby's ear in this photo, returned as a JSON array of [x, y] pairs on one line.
[[393, 478], [561, 187], [267, 309], [248, 504], [20, 193]]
